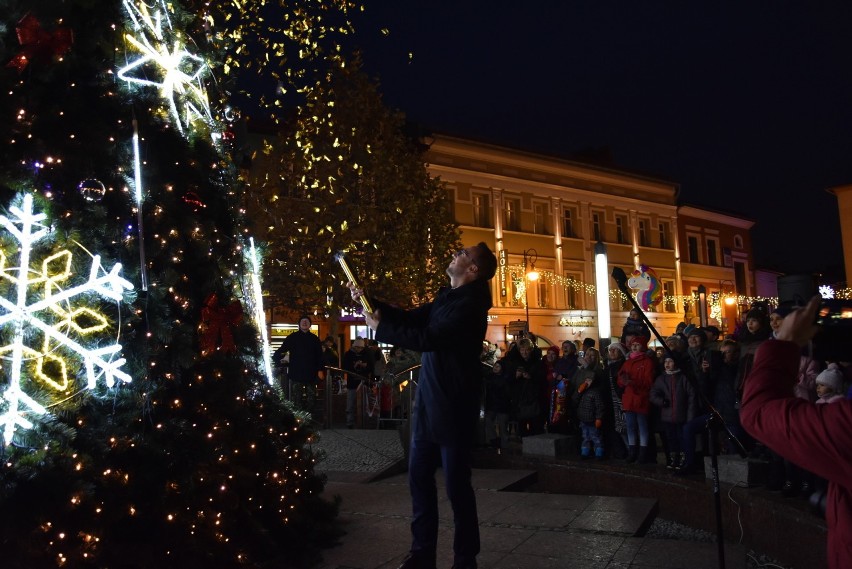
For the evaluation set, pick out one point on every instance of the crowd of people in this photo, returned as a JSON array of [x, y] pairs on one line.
[[616, 402]]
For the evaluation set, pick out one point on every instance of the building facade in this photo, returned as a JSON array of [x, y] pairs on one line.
[[545, 215], [716, 253]]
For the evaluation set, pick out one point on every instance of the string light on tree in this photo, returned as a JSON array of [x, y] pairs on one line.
[[52, 317]]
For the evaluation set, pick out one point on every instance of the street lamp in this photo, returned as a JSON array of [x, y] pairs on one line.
[[531, 276], [602, 293], [728, 289]]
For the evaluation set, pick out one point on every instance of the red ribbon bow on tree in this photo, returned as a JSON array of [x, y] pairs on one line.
[[216, 324], [39, 45]]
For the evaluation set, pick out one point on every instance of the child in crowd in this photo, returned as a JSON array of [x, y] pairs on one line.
[[674, 395], [589, 403], [829, 385]]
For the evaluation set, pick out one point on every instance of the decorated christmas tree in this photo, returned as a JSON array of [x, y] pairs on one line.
[[140, 424]]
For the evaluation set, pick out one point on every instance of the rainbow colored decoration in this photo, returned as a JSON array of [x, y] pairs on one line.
[[649, 290]]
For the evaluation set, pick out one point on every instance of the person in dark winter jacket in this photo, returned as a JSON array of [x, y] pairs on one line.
[[674, 395], [306, 361], [529, 389], [634, 326], [588, 400], [703, 366], [448, 332], [497, 406]]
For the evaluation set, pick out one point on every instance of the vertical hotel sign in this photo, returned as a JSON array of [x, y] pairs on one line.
[[502, 264]]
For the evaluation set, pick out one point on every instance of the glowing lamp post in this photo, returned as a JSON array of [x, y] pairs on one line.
[[602, 292], [531, 276]]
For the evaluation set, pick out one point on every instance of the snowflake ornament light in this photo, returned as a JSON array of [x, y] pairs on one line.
[[43, 325], [826, 291], [163, 54]]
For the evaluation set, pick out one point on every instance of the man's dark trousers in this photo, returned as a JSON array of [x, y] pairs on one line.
[[424, 460]]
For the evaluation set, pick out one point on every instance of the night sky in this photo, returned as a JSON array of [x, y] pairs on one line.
[[747, 106]]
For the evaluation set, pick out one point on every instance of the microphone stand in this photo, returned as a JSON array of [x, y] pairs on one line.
[[714, 423]]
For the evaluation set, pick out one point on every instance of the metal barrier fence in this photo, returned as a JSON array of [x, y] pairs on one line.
[[383, 400]]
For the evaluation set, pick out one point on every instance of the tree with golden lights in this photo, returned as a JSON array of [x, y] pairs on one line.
[[343, 175], [173, 450]]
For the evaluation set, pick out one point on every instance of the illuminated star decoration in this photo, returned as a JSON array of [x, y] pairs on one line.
[[40, 307], [826, 291], [163, 54]]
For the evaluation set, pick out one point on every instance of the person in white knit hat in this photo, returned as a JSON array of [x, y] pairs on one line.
[[829, 385]]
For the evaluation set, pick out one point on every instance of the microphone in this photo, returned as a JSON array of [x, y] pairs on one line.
[[351, 276]]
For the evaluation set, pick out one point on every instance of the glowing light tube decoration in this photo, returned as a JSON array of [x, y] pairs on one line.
[[602, 292], [351, 276], [137, 181], [259, 314]]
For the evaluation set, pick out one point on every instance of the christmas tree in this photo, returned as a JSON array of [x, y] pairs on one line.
[[140, 424]]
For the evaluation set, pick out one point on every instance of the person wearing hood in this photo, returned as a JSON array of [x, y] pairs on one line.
[[448, 332]]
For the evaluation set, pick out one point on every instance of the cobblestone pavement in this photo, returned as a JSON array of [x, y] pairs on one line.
[[367, 451], [518, 530]]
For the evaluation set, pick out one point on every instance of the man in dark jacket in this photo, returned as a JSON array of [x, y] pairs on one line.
[[449, 332], [306, 362]]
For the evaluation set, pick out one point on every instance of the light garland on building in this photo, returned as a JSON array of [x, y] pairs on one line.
[[715, 300]]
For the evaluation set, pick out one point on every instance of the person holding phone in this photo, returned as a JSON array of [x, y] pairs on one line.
[[801, 431]]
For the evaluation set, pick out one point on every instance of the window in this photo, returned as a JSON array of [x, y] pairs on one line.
[[540, 218], [596, 227], [481, 210], [738, 241], [620, 222], [573, 292], [511, 215], [740, 277], [692, 249], [669, 301], [643, 233], [543, 293], [567, 223], [712, 251], [664, 234]]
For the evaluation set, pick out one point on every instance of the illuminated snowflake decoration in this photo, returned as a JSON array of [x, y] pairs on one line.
[[826, 291], [163, 54], [41, 329]]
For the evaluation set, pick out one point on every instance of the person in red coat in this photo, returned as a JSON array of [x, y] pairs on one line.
[[636, 377], [819, 436]]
